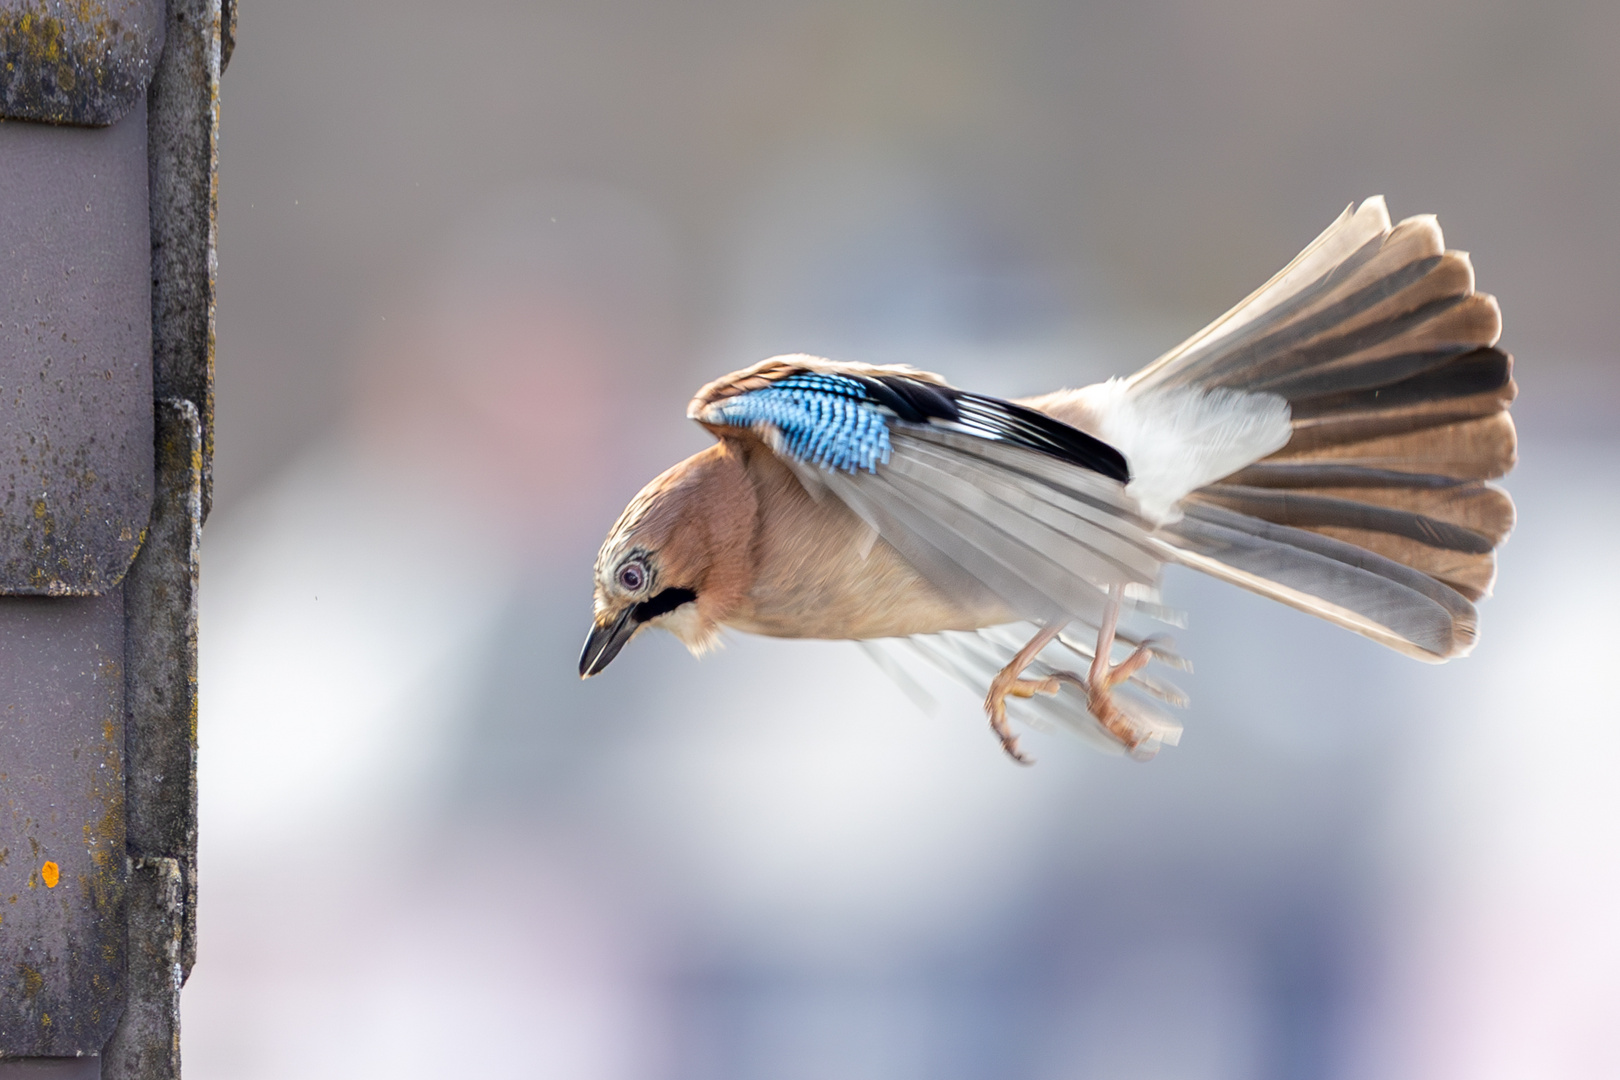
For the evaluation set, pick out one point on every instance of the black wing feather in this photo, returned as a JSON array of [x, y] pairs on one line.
[[919, 402]]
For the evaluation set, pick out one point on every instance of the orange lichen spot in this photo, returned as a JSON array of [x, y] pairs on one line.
[[51, 873]]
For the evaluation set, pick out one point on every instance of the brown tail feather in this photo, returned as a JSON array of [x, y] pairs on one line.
[[1472, 504], [1472, 575], [1412, 380], [1449, 533], [1483, 448]]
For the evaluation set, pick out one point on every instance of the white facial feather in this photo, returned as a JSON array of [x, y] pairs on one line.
[[1178, 440], [697, 633]]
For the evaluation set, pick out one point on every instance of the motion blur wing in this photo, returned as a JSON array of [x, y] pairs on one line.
[[972, 658]]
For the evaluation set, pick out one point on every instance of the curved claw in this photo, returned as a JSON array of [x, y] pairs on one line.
[[995, 704], [1007, 682]]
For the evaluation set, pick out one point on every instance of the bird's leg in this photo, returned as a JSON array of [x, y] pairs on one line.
[[1104, 676], [1008, 682]]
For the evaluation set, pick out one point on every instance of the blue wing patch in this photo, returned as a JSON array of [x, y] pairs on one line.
[[825, 420]]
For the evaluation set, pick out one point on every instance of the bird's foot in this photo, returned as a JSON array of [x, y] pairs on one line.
[[1104, 676], [1100, 694], [1007, 684]]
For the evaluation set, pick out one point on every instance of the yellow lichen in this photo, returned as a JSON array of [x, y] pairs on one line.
[[32, 981]]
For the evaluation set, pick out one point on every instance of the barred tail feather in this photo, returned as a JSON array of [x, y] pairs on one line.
[[1378, 513]]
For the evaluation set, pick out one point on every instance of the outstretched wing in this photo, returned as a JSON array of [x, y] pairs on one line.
[[838, 415], [980, 495]]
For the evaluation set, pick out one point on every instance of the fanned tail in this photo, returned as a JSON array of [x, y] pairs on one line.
[[1377, 514]]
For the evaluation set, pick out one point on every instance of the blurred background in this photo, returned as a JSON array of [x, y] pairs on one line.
[[474, 258]]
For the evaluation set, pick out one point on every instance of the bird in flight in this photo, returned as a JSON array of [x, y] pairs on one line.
[[1327, 443]]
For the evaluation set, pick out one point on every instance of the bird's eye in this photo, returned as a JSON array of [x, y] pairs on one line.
[[632, 576]]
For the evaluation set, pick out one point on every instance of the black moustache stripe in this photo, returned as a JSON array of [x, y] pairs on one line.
[[662, 604]]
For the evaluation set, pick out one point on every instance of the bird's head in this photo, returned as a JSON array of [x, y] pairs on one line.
[[679, 558]]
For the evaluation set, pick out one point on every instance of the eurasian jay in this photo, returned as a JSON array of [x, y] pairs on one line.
[[1326, 443]]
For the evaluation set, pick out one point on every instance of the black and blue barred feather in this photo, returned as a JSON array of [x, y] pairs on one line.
[[825, 420]]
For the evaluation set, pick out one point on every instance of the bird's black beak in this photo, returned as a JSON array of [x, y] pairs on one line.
[[605, 642]]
